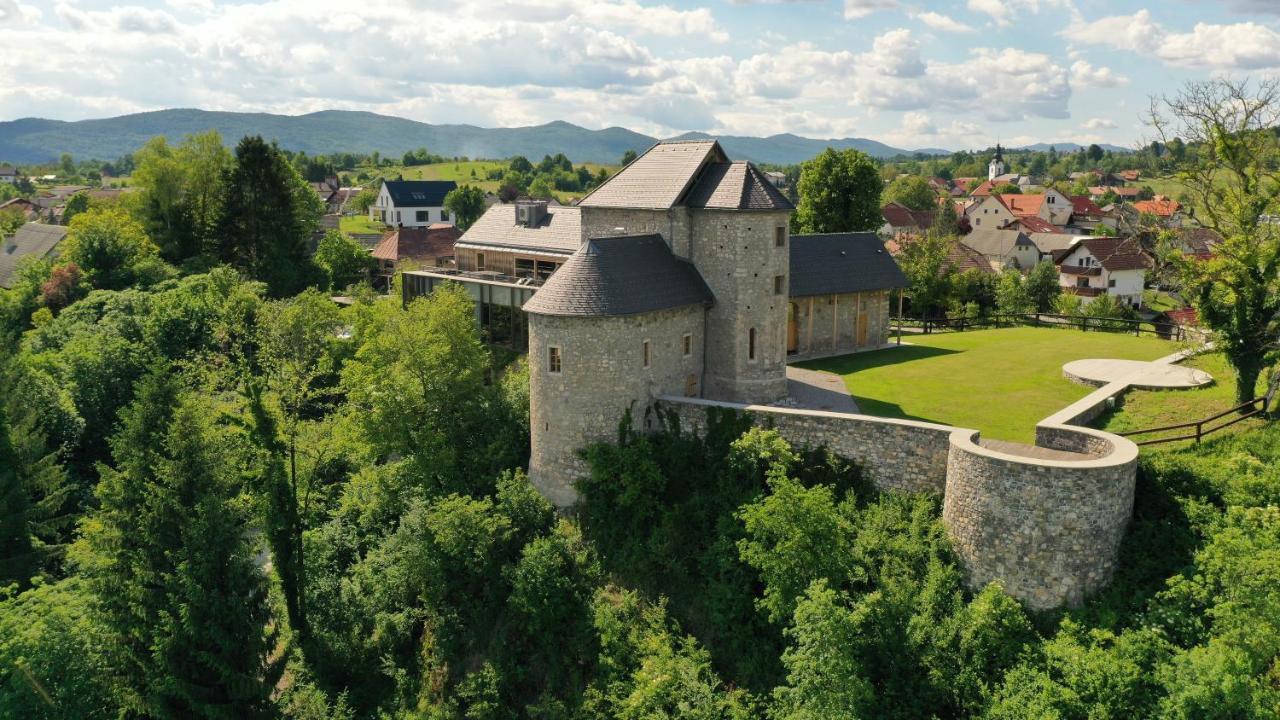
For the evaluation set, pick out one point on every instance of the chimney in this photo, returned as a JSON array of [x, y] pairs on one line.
[[529, 212]]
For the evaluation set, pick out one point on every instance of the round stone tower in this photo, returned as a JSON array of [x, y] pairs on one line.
[[621, 323]]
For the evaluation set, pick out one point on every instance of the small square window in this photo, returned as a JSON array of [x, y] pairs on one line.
[[423, 216], [1111, 283], [553, 359], [779, 236], [688, 344], [444, 215], [779, 284], [645, 346]]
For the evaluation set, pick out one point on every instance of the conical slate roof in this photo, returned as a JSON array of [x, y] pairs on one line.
[[736, 186], [620, 276]]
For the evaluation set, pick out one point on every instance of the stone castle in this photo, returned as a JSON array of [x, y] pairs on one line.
[[677, 284]]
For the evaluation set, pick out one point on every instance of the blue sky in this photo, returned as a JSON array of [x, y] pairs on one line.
[[953, 74]]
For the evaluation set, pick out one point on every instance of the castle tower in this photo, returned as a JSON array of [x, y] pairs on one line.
[[996, 168]]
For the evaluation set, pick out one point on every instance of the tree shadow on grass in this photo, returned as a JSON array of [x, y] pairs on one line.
[[846, 364]]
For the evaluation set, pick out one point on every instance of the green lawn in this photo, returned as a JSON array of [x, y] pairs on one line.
[[1001, 382], [1156, 408], [360, 224], [1160, 301]]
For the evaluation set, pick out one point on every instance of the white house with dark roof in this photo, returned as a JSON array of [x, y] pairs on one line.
[[412, 203], [1096, 266], [8, 174]]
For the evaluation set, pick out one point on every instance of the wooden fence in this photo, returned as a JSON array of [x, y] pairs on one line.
[[1160, 329], [1253, 408]]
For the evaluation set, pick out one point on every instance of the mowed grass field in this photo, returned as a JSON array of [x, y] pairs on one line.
[[1140, 409], [999, 381]]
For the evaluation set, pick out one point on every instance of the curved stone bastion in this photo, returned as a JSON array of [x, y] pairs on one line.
[[1045, 521]]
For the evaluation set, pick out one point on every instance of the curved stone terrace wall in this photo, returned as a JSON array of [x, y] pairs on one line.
[[1048, 529]]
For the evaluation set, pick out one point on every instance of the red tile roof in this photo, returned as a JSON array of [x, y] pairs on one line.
[[1035, 224], [900, 216], [1162, 207], [1112, 253], [428, 243], [1081, 205], [1023, 204], [984, 189]]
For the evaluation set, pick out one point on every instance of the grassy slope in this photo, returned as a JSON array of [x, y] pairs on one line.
[[359, 224], [999, 381], [1156, 408], [460, 172]]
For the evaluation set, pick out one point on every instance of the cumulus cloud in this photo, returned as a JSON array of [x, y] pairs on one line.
[[940, 22], [1100, 124], [1005, 12], [1239, 46], [855, 9], [1084, 74]]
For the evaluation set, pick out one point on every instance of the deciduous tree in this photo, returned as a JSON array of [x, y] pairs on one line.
[[466, 203], [839, 191]]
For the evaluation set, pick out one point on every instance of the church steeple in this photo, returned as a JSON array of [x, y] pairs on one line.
[[996, 168]]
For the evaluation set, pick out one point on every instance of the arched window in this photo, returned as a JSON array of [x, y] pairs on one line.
[[751, 344]]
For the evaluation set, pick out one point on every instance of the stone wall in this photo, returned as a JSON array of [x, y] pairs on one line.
[[602, 375], [737, 255], [673, 225], [1049, 531], [900, 455]]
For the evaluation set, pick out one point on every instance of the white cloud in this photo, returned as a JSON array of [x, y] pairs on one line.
[[1239, 46], [1004, 12], [14, 13], [1084, 74], [1100, 124], [855, 9], [942, 23]]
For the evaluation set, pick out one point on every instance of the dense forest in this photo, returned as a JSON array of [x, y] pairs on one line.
[[224, 496]]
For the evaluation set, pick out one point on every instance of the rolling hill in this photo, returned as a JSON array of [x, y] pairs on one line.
[[36, 140]]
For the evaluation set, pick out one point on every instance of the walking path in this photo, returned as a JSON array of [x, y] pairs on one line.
[[1158, 375], [817, 390]]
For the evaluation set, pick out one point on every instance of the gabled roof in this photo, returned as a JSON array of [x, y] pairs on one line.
[[1162, 207], [1034, 224], [983, 190], [830, 263], [901, 216], [620, 276], [1053, 242], [658, 179], [993, 242], [1081, 205], [736, 186], [962, 258], [419, 193], [428, 243], [1111, 252], [8, 171], [30, 240], [558, 233], [1022, 204], [1200, 241]]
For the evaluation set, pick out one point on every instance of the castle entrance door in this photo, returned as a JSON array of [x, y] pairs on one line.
[[793, 329]]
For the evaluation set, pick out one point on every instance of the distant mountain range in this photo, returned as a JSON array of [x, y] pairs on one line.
[[32, 140]]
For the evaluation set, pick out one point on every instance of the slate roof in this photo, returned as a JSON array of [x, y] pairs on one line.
[[419, 193], [736, 186], [428, 243], [658, 179], [30, 240], [620, 276], [559, 232], [829, 263], [1112, 253]]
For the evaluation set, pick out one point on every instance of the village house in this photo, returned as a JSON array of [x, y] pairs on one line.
[[28, 209], [1004, 248], [411, 203], [528, 239], [1166, 210], [1096, 266], [8, 174], [32, 240], [902, 220], [1127, 194], [412, 248]]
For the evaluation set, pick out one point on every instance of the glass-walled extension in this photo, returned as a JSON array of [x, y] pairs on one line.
[[498, 299]]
